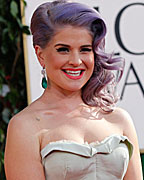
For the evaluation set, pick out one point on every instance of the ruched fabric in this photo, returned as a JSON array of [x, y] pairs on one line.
[[105, 160]]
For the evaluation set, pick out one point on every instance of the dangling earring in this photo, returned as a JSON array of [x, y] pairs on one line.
[[44, 81]]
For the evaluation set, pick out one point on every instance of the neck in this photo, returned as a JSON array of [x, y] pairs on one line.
[[59, 98]]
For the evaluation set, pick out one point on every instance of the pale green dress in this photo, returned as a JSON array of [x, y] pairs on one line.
[[105, 160]]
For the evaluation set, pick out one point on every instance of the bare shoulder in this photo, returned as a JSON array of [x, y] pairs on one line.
[[24, 120], [121, 117], [22, 128], [22, 147], [124, 121]]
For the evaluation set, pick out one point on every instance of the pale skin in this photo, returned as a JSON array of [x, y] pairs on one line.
[[60, 113]]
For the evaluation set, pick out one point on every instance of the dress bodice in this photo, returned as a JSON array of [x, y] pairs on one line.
[[105, 160]]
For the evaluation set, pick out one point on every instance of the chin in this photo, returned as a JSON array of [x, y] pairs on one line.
[[73, 89]]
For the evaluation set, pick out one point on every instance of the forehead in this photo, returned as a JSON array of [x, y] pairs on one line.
[[71, 34]]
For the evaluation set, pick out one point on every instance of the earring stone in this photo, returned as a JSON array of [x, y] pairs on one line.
[[44, 81]]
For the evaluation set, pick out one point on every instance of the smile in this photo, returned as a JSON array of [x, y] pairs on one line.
[[73, 74]]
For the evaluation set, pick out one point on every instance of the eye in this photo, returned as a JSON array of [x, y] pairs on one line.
[[86, 49], [63, 49]]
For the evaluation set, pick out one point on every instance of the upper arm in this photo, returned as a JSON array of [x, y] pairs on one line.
[[134, 171], [22, 156]]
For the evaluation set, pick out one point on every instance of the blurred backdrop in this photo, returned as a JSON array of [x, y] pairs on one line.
[[13, 97]]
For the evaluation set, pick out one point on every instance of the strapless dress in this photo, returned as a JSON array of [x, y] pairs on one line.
[[105, 160]]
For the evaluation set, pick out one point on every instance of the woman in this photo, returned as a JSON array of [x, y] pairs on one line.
[[73, 131]]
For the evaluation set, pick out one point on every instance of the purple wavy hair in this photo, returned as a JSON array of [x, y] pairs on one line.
[[51, 16]]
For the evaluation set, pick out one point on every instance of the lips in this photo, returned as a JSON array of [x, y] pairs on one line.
[[73, 73]]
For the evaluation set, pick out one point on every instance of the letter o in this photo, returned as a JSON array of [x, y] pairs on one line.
[[117, 30]]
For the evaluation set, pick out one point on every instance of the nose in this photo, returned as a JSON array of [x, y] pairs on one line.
[[75, 59]]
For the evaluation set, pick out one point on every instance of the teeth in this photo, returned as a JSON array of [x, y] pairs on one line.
[[73, 73]]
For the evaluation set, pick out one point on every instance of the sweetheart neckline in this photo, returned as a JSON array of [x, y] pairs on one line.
[[107, 145], [95, 143]]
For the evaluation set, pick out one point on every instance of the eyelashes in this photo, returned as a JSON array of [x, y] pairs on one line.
[[86, 50], [66, 50], [62, 49]]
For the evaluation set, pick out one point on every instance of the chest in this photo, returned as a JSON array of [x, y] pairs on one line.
[[78, 128]]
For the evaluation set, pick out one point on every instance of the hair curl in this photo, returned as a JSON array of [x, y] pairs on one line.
[[50, 16]]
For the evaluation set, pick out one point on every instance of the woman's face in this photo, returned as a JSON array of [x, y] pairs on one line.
[[68, 58]]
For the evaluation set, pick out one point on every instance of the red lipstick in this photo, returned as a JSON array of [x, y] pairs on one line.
[[71, 75]]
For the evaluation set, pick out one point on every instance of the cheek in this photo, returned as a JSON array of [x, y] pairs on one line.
[[58, 61], [90, 61], [54, 62]]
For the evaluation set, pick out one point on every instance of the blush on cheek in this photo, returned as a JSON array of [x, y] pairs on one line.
[[59, 62]]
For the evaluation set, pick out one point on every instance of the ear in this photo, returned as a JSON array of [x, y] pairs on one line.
[[39, 53]]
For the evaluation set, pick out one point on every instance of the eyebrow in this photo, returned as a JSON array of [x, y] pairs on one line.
[[62, 45], [87, 45]]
